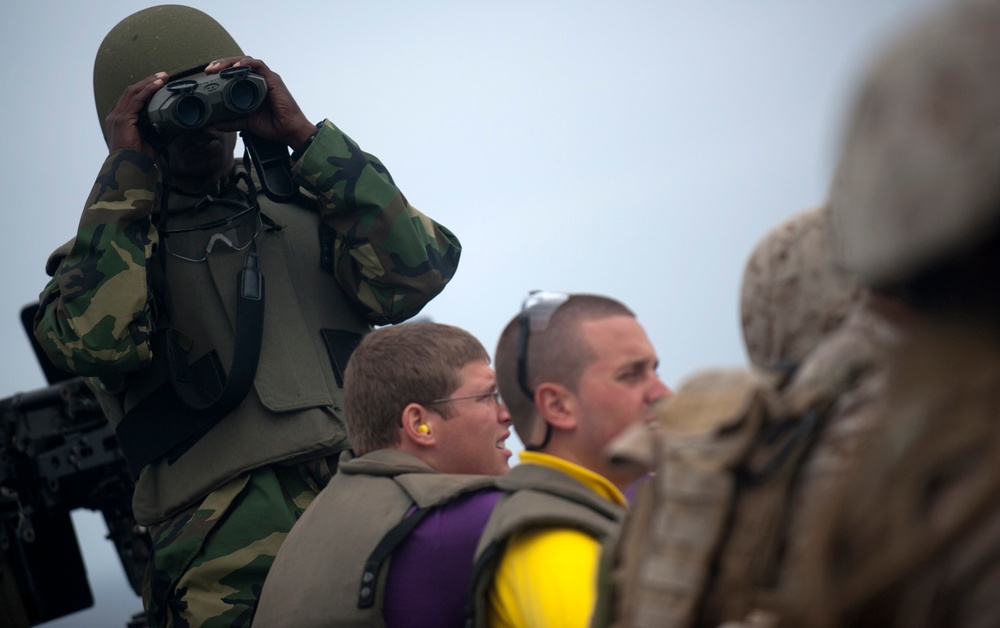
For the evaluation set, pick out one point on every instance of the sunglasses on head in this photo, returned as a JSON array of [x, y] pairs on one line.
[[536, 312]]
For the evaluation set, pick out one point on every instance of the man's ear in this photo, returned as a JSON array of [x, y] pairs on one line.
[[556, 405], [416, 426]]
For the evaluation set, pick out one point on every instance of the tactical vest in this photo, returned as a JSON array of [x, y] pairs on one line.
[[332, 568], [740, 457], [536, 496], [294, 410]]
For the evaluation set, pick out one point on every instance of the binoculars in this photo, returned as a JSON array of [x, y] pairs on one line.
[[201, 99]]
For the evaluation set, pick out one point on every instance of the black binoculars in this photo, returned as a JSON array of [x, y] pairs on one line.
[[199, 100]]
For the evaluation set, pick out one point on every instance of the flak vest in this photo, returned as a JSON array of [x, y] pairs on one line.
[[536, 497], [332, 568], [294, 410]]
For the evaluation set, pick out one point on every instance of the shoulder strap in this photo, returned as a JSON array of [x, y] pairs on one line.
[[201, 393], [533, 507], [385, 548]]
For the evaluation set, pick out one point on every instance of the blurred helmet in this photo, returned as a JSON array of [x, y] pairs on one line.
[[919, 177], [792, 294], [171, 38]]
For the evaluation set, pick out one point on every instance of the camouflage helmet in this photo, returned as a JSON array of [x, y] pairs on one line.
[[919, 176], [793, 294], [171, 38]]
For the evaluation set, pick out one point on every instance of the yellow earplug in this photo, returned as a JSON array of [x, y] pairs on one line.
[[423, 429]]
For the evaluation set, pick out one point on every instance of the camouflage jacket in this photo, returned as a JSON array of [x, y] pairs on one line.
[[97, 313], [347, 253]]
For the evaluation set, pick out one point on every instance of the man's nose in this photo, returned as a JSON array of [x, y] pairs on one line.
[[659, 390], [503, 415]]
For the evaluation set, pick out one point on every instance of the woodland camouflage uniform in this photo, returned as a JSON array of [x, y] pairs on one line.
[[347, 252]]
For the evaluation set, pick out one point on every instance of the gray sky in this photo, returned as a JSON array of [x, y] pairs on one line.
[[635, 149]]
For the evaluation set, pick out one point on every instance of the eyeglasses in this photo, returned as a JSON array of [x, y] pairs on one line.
[[493, 393], [236, 231], [536, 312]]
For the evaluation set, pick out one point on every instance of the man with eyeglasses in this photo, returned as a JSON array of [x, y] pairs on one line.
[[392, 536], [214, 307], [575, 371]]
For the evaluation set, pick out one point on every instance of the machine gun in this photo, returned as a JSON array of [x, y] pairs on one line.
[[58, 453]]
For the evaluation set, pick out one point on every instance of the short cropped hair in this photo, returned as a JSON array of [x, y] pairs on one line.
[[398, 365], [559, 354]]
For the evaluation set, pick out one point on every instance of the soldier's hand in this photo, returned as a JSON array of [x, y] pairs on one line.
[[280, 118], [123, 121]]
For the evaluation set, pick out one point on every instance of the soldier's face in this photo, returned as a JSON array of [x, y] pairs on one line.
[[472, 439], [200, 158], [618, 389]]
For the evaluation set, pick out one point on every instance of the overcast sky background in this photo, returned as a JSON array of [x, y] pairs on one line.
[[635, 149]]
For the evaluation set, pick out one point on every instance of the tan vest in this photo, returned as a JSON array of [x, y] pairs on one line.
[[295, 409], [323, 568], [743, 460], [536, 496]]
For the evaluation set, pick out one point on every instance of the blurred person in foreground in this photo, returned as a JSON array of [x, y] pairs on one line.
[[575, 370], [914, 538], [743, 456], [213, 321], [422, 411]]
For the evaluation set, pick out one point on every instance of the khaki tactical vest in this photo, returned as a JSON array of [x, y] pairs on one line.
[[742, 459], [295, 408], [536, 496], [327, 572]]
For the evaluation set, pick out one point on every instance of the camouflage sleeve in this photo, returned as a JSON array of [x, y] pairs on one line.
[[95, 316], [392, 258]]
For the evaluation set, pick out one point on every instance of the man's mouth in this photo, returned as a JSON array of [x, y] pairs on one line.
[[197, 139], [502, 445]]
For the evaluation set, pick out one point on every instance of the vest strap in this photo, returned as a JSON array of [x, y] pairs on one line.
[[180, 412], [388, 544], [340, 344]]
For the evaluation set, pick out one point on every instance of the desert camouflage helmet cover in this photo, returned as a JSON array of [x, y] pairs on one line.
[[170, 38], [919, 176], [792, 294]]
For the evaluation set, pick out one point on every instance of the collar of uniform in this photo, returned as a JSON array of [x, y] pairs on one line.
[[595, 482], [384, 462], [228, 187]]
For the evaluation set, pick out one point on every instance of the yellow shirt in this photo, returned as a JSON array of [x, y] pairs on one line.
[[547, 577]]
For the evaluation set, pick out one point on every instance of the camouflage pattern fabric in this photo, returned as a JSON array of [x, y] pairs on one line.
[[743, 457], [743, 461], [97, 311], [100, 309], [792, 295], [913, 537], [848, 367], [392, 257], [209, 562], [95, 314], [916, 180]]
